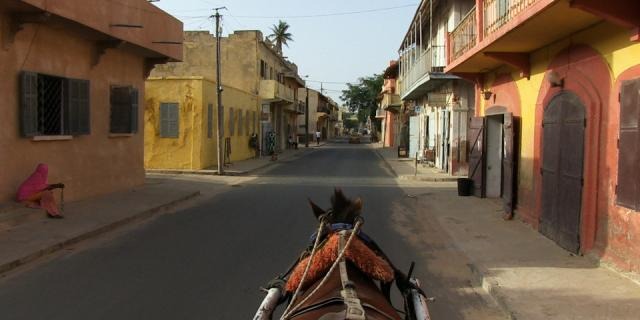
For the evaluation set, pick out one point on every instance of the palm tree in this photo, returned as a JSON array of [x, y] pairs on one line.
[[280, 35]]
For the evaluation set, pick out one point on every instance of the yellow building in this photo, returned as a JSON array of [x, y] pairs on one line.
[[556, 132], [260, 94], [181, 122]]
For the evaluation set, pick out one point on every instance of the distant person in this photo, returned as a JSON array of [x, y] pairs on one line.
[[271, 145], [292, 143], [35, 192], [318, 136]]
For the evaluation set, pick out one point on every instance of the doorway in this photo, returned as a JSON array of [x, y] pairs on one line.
[[563, 130], [494, 154]]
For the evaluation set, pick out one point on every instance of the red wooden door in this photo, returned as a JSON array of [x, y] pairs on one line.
[[476, 154], [562, 170]]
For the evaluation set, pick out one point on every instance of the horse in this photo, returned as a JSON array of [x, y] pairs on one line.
[[343, 274]]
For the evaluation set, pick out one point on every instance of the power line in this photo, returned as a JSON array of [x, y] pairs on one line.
[[320, 15]]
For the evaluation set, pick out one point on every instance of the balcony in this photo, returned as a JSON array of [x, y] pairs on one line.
[[424, 74], [390, 100], [274, 91], [497, 32], [380, 113]]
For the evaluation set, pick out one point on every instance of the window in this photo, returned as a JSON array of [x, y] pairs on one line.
[[124, 110], [254, 121], [628, 188], [262, 69], [270, 73], [210, 121], [169, 120], [231, 120], [51, 105], [247, 126], [239, 122]]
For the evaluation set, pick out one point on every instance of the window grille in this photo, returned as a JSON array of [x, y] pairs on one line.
[[51, 105]]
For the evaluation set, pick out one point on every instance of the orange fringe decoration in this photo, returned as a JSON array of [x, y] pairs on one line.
[[358, 253]]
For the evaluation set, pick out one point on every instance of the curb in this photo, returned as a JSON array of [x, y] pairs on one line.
[[492, 288], [386, 163], [94, 233], [428, 179]]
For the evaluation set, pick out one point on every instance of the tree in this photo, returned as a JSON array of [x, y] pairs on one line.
[[280, 35], [362, 97]]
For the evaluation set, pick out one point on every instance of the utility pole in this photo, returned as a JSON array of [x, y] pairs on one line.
[[306, 115], [220, 130]]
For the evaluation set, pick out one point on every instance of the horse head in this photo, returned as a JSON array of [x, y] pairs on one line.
[[343, 209]]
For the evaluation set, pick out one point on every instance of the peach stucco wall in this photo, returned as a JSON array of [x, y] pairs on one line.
[[89, 164]]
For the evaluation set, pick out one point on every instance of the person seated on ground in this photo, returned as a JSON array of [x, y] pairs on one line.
[[35, 192]]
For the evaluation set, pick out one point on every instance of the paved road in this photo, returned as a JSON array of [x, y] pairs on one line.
[[206, 262]]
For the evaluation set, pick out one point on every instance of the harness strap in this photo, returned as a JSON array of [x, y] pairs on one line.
[[348, 293]]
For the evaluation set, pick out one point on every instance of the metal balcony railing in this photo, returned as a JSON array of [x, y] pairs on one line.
[[464, 36], [431, 60], [495, 13], [498, 12]]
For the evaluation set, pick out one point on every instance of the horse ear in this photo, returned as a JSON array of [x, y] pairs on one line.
[[357, 205], [317, 211], [338, 200]]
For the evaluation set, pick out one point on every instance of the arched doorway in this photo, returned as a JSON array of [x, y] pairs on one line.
[[563, 130]]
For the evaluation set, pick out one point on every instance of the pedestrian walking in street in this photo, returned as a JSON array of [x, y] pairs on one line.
[[318, 135], [271, 145], [35, 192]]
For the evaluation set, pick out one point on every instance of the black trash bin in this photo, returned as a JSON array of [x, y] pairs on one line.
[[465, 187]]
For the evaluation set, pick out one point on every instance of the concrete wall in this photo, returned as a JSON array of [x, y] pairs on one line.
[[239, 59], [593, 62], [88, 164], [313, 110]]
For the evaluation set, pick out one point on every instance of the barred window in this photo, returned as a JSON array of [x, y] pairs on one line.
[[124, 110], [51, 105], [169, 120]]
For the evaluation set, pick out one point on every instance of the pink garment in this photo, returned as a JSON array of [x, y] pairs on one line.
[[37, 182]]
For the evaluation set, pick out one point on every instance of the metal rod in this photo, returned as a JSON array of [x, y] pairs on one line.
[[306, 117], [124, 25]]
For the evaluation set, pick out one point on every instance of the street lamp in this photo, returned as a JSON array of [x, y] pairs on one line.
[[306, 113]]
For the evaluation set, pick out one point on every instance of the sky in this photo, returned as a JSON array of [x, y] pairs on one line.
[[334, 46]]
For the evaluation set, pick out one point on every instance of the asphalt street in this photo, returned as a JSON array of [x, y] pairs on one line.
[[208, 261]]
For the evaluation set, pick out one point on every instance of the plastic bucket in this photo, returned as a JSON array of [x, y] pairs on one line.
[[465, 187]]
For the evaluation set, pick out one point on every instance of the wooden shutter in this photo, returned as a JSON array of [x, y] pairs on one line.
[[231, 122], [210, 120], [240, 122], [120, 121], [629, 146], [248, 123], [508, 163], [28, 104], [134, 106], [169, 120], [476, 155], [78, 107]]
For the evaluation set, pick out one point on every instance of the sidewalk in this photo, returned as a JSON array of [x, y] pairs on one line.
[[528, 275], [244, 167], [26, 234], [405, 168]]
